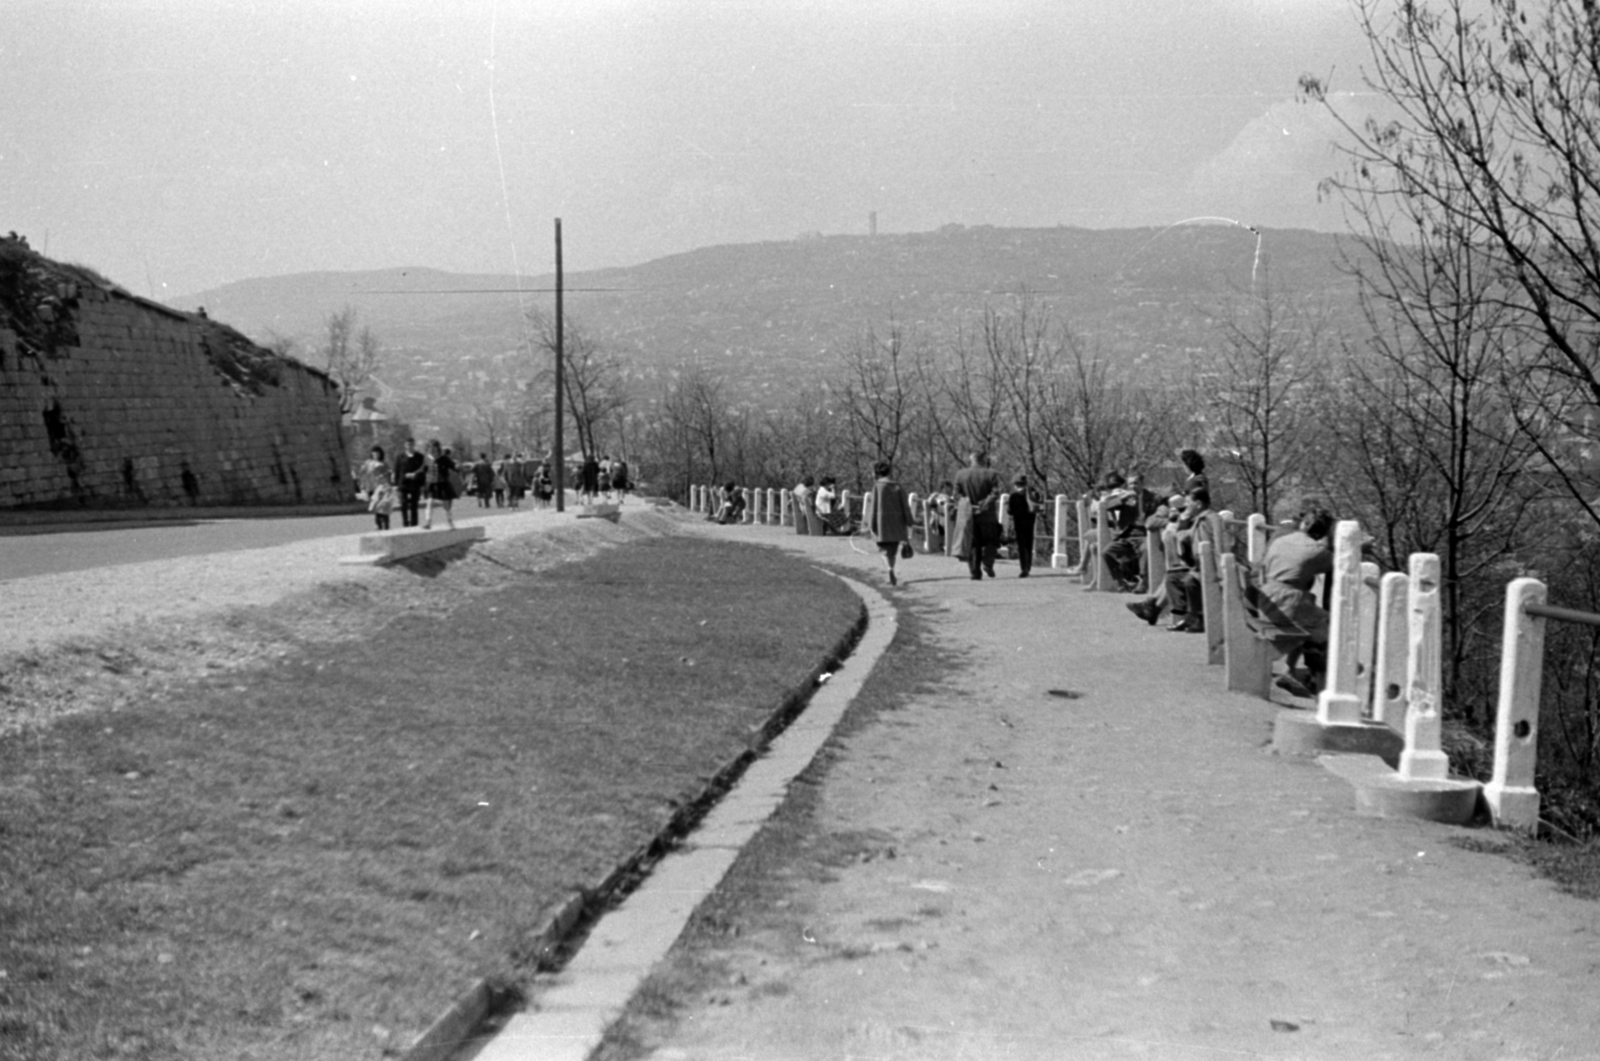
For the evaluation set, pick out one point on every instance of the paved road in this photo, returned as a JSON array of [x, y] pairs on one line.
[[81, 546], [1128, 873]]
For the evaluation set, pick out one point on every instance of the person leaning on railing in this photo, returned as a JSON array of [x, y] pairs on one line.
[[1097, 502], [939, 506], [1128, 510], [1183, 589], [732, 507], [1162, 524]]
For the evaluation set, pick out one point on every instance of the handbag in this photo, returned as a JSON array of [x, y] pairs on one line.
[[906, 552]]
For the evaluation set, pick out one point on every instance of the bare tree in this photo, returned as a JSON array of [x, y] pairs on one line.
[[1027, 349], [1098, 420], [492, 426], [595, 393], [1428, 450], [349, 357], [1258, 392], [968, 395], [878, 391], [685, 438], [1492, 129]]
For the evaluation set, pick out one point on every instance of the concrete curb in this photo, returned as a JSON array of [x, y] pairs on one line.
[[386, 547], [545, 949]]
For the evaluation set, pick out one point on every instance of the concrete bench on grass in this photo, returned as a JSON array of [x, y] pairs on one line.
[[385, 547]]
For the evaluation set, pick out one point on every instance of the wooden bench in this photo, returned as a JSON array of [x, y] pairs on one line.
[[1250, 643]]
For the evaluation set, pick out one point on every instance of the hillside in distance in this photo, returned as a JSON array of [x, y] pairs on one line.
[[771, 318]]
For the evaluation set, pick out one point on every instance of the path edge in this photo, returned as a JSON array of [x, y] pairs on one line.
[[544, 948]]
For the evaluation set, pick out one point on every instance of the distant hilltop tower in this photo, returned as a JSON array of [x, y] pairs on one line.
[[872, 223]]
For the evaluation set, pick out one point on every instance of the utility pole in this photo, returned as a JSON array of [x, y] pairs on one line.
[[559, 458]]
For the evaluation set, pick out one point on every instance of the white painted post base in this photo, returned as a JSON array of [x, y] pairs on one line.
[[1058, 549], [1512, 799], [1339, 702], [1389, 669]]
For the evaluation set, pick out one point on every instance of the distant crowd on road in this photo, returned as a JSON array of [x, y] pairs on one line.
[[419, 481], [974, 500]]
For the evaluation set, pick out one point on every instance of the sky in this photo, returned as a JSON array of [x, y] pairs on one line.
[[177, 145]]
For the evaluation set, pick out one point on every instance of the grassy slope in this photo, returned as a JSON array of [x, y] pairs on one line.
[[307, 857]]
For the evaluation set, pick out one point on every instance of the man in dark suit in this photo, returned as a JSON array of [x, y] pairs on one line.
[[978, 490], [410, 475]]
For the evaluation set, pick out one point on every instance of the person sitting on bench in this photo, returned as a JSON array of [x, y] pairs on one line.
[[1285, 601]]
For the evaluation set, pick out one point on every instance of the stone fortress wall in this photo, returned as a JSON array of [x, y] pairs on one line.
[[107, 399]]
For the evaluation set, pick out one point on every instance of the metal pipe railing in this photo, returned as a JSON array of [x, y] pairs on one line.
[[1566, 615]]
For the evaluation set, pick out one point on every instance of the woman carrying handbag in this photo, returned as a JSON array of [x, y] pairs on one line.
[[890, 518]]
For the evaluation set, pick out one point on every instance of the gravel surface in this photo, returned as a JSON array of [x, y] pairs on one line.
[[994, 871]]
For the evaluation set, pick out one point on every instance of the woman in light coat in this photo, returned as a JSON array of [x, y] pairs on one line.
[[890, 518]]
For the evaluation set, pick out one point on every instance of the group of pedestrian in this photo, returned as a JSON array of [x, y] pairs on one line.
[[603, 477], [505, 482], [820, 508], [975, 498], [416, 476], [978, 493]]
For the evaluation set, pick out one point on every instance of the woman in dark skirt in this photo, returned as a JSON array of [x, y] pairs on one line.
[[890, 518], [441, 486]]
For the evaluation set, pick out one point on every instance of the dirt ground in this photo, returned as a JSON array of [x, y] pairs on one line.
[[991, 870]]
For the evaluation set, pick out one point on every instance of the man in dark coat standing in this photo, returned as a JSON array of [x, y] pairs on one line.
[[978, 489], [410, 475]]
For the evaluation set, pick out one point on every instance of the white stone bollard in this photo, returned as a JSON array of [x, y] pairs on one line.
[[1389, 668], [1512, 799], [749, 505], [1339, 702], [1367, 624], [1422, 759], [1256, 531], [696, 502], [950, 530], [1058, 550]]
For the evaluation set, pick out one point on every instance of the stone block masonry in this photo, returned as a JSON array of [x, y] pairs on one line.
[[107, 399]]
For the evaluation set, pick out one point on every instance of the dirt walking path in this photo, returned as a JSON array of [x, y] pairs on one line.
[[1127, 873]]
